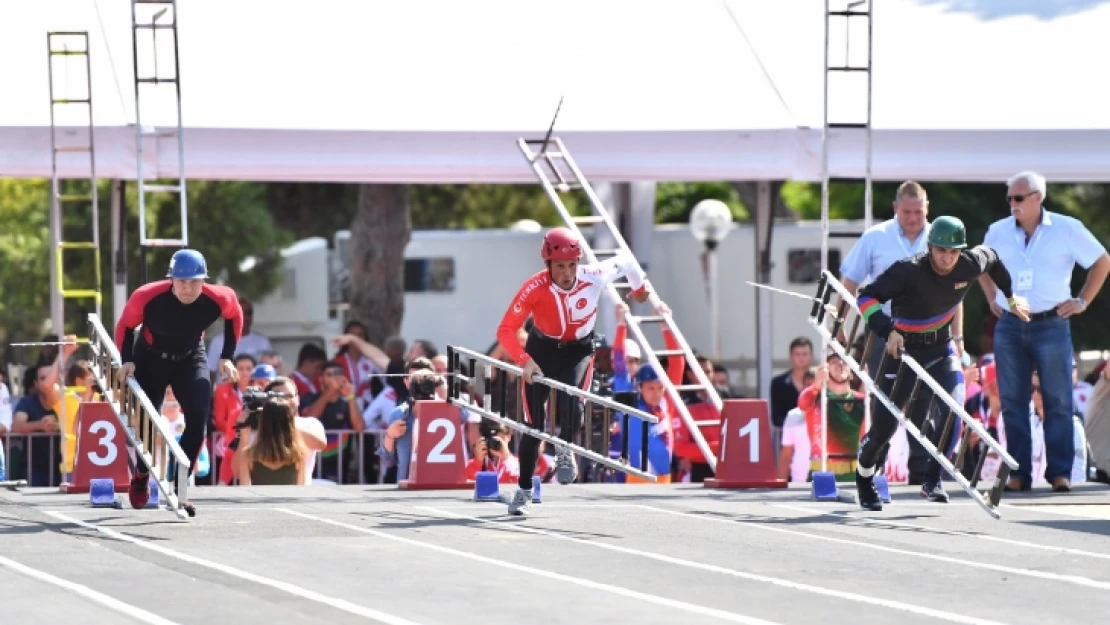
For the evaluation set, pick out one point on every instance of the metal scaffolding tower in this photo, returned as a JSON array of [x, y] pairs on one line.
[[68, 198], [850, 14], [147, 16]]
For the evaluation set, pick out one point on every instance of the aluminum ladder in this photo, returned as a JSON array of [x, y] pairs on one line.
[[549, 158], [850, 13], [152, 16], [68, 199]]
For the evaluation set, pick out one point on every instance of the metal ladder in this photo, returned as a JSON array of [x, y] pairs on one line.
[[146, 16], [552, 156], [824, 311], [65, 45], [848, 12]]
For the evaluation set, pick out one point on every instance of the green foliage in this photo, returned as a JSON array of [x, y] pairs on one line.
[[674, 201], [24, 254]]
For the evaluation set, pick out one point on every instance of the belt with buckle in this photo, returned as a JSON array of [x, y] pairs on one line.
[[927, 338], [1044, 314], [582, 342], [174, 357]]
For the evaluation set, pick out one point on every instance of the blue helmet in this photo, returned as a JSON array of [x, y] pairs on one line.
[[187, 265], [264, 372], [646, 373]]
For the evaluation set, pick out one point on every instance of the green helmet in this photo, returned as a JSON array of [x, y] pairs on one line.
[[948, 232]]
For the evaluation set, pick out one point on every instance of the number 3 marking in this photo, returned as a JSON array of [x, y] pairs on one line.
[[107, 442], [752, 428], [436, 455]]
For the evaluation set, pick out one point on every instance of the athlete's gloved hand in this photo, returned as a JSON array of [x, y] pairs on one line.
[[530, 369], [228, 371], [662, 309], [125, 371], [894, 344]]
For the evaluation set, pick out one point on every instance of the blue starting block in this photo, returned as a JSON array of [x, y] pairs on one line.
[[152, 486], [883, 487], [102, 494], [486, 487], [536, 494], [824, 486]]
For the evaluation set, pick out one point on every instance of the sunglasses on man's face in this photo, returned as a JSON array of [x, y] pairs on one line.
[[1020, 198]]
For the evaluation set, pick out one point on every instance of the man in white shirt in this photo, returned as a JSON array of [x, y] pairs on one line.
[[1040, 249], [250, 342]]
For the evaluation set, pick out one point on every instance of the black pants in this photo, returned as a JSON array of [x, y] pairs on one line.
[[938, 364], [192, 386], [569, 363]]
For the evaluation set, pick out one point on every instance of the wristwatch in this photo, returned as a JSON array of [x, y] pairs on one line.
[[1082, 302]]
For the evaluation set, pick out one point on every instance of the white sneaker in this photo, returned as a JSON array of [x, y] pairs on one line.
[[566, 469], [521, 503]]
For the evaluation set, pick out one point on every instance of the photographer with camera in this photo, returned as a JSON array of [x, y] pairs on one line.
[[337, 408], [396, 446], [492, 454], [276, 455]]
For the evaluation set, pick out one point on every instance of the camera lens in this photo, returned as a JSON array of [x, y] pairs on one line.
[[494, 444]]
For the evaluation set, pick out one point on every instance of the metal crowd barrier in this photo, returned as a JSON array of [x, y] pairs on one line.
[[148, 434], [515, 422], [989, 500]]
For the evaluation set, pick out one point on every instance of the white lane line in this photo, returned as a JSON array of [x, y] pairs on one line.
[[333, 602], [995, 539], [616, 590], [820, 590], [112, 603], [1056, 577]]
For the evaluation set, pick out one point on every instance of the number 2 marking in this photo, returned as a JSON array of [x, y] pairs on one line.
[[107, 441], [752, 428], [436, 455]]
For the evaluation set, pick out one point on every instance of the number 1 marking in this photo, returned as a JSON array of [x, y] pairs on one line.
[[752, 428]]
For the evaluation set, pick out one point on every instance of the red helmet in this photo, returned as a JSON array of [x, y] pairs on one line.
[[561, 244]]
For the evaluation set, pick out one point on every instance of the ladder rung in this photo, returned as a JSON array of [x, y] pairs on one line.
[[77, 245], [689, 387], [167, 188], [845, 235], [588, 220], [702, 424], [669, 352], [169, 132], [622, 285], [80, 294], [148, 26], [649, 319], [850, 13], [162, 243], [156, 80], [72, 101], [847, 68], [74, 198], [856, 125], [73, 148], [69, 52], [609, 252]]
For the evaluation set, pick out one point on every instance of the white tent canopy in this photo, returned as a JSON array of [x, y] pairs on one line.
[[438, 91]]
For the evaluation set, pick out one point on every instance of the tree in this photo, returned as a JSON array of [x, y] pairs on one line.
[[381, 229]]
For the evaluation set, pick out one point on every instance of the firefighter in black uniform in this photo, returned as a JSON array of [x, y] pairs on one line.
[[169, 351], [924, 291]]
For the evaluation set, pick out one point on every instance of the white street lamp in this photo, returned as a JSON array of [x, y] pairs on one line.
[[710, 222]]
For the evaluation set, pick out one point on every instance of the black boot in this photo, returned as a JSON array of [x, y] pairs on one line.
[[868, 495], [933, 490]]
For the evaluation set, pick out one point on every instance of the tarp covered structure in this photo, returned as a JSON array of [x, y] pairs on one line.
[[438, 91]]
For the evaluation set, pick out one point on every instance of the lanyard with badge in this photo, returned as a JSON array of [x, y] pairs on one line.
[[1024, 280]]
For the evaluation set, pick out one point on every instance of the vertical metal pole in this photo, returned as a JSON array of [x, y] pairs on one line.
[[119, 258], [181, 135], [94, 191], [825, 233], [714, 298], [57, 308]]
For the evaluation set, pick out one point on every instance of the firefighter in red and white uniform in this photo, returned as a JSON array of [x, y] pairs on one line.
[[562, 300]]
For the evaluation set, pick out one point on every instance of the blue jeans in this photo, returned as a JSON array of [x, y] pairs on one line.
[[1018, 347], [3, 469]]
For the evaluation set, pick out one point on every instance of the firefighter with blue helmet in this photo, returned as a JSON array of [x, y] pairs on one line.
[[169, 351]]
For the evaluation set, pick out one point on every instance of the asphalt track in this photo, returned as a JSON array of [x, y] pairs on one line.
[[641, 554]]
